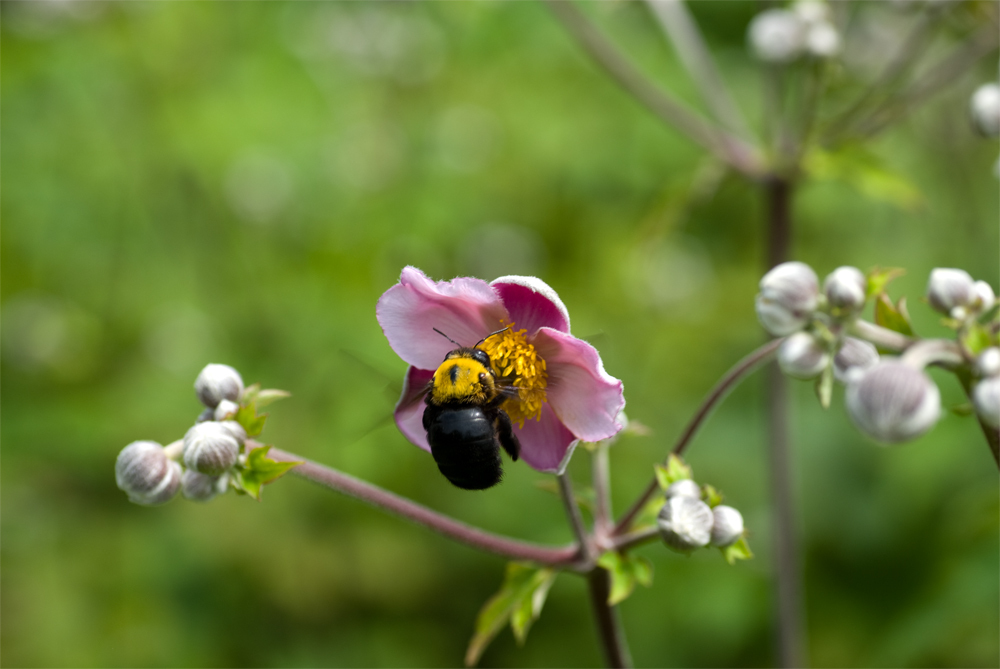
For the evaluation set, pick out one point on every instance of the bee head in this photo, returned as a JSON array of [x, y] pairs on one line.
[[465, 376]]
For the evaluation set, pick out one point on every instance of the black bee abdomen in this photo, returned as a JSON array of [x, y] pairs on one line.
[[465, 446]]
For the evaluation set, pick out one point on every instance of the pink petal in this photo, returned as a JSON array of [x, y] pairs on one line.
[[409, 413], [465, 309], [532, 303], [545, 443], [586, 399]]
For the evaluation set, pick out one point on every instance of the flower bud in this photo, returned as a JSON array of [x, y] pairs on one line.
[[685, 523], [235, 429], [812, 12], [893, 402], [950, 288], [986, 397], [787, 298], [210, 448], [727, 525], [776, 36], [984, 297], [984, 107], [216, 383], [846, 289], [823, 40], [803, 356], [225, 409], [146, 474], [685, 488], [200, 487], [854, 357], [988, 362]]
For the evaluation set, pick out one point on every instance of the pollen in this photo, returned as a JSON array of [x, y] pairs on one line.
[[517, 363]]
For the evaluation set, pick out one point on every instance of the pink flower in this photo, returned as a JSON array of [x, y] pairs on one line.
[[564, 393]]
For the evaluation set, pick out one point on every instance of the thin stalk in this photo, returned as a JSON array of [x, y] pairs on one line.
[[884, 338], [736, 373], [634, 538], [573, 514], [557, 556], [609, 625], [602, 490]]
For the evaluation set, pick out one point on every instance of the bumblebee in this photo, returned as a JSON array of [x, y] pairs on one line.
[[466, 428]]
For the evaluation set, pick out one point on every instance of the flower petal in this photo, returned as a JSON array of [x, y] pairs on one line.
[[409, 413], [532, 303], [545, 443], [585, 397], [465, 309]]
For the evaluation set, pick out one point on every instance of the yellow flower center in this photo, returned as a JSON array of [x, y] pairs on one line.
[[517, 364]]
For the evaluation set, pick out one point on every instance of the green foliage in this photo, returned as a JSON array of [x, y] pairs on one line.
[[261, 398], [824, 387], [737, 551], [674, 471], [976, 338], [258, 471], [879, 278], [868, 174], [711, 496], [893, 316], [625, 570], [251, 422]]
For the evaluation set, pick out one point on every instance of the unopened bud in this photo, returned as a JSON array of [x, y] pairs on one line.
[[823, 40], [950, 288], [727, 525], [984, 297], [202, 487], [226, 409], [685, 523], [846, 289], [984, 107], [988, 362], [685, 488], [787, 298], [146, 474], [776, 36], [986, 397], [854, 357], [216, 383], [811, 12], [803, 356], [893, 402], [210, 448]]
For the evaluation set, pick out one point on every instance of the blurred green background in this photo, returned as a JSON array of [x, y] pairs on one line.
[[193, 182]]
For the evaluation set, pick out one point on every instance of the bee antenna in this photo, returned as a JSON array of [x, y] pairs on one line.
[[448, 338], [490, 335]]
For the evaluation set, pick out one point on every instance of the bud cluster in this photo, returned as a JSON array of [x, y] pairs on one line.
[[986, 392], [954, 293], [783, 35], [686, 522]]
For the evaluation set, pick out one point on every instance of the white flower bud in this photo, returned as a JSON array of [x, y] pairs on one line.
[[988, 362], [846, 288], [949, 288], [986, 397], [727, 525], [146, 474], [202, 487], [685, 523], [893, 402], [854, 357], [684, 487], [210, 448], [235, 429], [823, 40], [984, 297], [225, 409], [216, 383], [984, 107], [776, 36], [803, 356], [787, 298], [812, 12]]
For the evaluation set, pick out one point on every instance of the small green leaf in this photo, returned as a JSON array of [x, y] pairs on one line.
[[674, 471], [249, 394], [737, 551], [892, 317], [879, 278], [270, 396], [711, 496], [976, 338], [531, 606], [625, 571], [963, 409], [824, 387], [643, 570], [260, 470], [649, 512], [248, 418]]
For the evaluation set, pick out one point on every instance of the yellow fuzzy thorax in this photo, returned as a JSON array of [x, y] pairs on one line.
[[457, 380], [515, 362]]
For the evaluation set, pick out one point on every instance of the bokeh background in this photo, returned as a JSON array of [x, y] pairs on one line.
[[193, 182]]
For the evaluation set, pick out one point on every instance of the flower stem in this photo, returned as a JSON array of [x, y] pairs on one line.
[[880, 336], [732, 378], [602, 489], [557, 556], [575, 519], [609, 625]]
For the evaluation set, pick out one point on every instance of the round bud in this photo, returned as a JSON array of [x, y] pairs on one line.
[[823, 40], [893, 402], [846, 289], [210, 448], [984, 107], [853, 358], [146, 474], [812, 12], [950, 288], [986, 397], [983, 296], [216, 383], [803, 356], [202, 487], [988, 362], [685, 488], [727, 525], [776, 36], [225, 409], [235, 429], [787, 298], [685, 523]]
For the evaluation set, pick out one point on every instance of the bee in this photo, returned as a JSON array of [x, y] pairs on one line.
[[466, 428]]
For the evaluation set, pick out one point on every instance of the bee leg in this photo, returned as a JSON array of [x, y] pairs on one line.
[[505, 431]]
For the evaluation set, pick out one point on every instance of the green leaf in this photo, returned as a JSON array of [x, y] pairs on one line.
[[737, 551], [270, 396], [866, 173], [260, 470], [249, 394], [674, 471], [625, 571], [522, 593], [976, 338], [649, 512], [248, 418], [963, 409], [879, 278], [824, 387], [711, 496], [892, 317]]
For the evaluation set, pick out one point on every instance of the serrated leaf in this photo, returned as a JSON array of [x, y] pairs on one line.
[[249, 393], [260, 470], [270, 396], [824, 387], [517, 593], [625, 571], [711, 496], [892, 317], [976, 338], [675, 470], [248, 418], [737, 551], [879, 278]]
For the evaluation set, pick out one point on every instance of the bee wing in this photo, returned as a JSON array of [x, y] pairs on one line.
[[507, 391]]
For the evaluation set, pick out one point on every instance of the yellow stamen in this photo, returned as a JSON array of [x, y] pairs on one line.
[[516, 363]]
